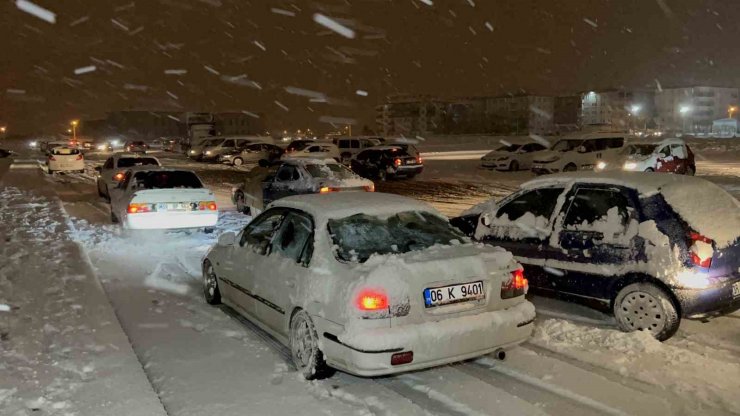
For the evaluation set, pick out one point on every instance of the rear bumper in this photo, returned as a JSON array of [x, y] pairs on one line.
[[408, 170], [170, 220], [706, 303], [368, 352]]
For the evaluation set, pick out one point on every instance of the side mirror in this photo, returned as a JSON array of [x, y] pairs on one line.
[[227, 239], [264, 163]]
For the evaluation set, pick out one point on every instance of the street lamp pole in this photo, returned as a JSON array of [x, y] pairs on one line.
[[74, 130]]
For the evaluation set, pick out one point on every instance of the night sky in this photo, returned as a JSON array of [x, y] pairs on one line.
[[448, 48]]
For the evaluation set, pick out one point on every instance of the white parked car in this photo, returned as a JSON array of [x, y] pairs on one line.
[[513, 156], [370, 284], [112, 172], [158, 198], [318, 150], [349, 147], [65, 159], [587, 151]]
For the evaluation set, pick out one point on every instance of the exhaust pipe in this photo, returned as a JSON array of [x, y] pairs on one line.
[[500, 354]]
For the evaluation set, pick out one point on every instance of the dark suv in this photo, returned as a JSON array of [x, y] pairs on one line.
[[650, 248], [384, 162]]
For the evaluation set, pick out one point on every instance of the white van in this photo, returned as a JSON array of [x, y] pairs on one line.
[[349, 147], [581, 152]]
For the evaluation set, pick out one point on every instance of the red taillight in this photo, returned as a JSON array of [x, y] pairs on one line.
[[418, 159], [516, 286], [397, 162], [118, 176], [212, 206], [326, 190], [138, 208], [372, 300], [402, 358], [207, 205], [701, 250], [369, 188], [79, 157]]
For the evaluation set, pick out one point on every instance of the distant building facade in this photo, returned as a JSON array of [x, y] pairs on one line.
[[618, 109], [238, 123], [520, 114], [693, 109], [409, 115], [567, 113]]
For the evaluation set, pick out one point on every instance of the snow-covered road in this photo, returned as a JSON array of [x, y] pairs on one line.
[[204, 360]]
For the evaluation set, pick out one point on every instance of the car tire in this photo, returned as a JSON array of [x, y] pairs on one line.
[[241, 205], [570, 168], [208, 230], [211, 292], [514, 166], [113, 217], [382, 175], [649, 170], [690, 171], [645, 306], [237, 161], [304, 348]]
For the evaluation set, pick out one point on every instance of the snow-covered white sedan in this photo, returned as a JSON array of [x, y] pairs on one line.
[[512, 156], [65, 159], [370, 284], [156, 198]]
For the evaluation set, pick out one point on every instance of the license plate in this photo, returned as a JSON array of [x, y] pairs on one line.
[[736, 289], [537, 166], [410, 162], [445, 295]]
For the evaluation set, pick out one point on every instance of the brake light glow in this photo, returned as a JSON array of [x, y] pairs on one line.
[[516, 286], [397, 162], [327, 189], [369, 188], [118, 176], [138, 208], [701, 250], [418, 159], [207, 205], [372, 300]]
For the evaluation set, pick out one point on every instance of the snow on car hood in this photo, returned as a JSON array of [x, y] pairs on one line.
[[547, 156], [495, 154], [707, 208]]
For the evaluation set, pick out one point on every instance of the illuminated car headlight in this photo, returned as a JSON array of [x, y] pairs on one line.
[[208, 152], [600, 165], [192, 152], [629, 166], [33, 144]]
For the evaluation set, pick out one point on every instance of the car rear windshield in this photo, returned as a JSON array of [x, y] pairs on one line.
[[62, 151], [296, 146], [359, 236], [397, 152], [167, 179], [138, 143], [330, 170], [127, 162]]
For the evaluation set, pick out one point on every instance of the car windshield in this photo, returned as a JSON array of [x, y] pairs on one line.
[[212, 142], [566, 145], [167, 179], [640, 149], [359, 236], [330, 170], [127, 162]]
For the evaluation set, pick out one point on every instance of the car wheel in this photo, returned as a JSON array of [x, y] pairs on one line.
[[304, 348], [382, 175], [100, 191], [210, 284], [570, 168], [649, 170], [113, 217], [644, 306], [241, 205], [208, 230], [237, 161], [690, 171], [514, 165]]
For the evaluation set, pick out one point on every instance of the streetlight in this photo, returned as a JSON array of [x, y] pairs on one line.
[[634, 111], [74, 129], [684, 109], [3, 129]]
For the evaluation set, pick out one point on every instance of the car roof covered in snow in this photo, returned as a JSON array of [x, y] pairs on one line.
[[344, 204], [303, 161], [705, 206]]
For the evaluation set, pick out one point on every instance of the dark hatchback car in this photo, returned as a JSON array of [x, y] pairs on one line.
[[385, 162], [649, 248]]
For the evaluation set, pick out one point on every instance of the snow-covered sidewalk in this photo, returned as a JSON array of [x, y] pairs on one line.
[[62, 350]]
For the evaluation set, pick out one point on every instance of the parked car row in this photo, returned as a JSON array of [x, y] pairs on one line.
[[594, 151]]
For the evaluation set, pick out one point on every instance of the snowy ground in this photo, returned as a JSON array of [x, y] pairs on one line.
[[203, 360]]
